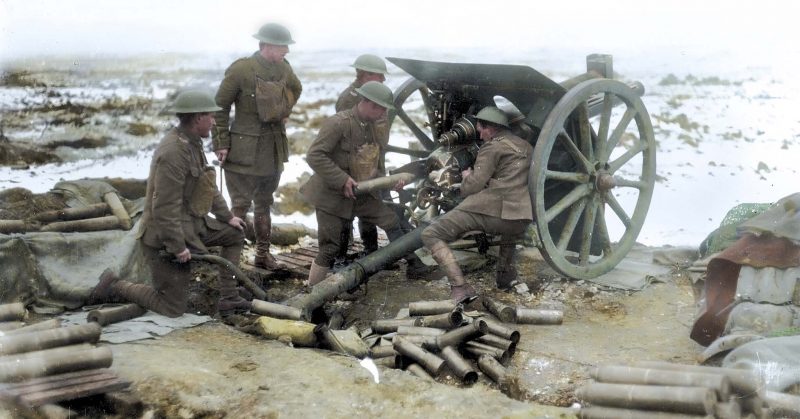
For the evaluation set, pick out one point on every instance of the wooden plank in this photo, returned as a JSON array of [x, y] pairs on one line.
[[302, 257], [293, 260], [306, 252], [74, 392]]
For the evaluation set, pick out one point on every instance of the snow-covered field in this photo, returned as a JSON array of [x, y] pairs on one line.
[[725, 122]]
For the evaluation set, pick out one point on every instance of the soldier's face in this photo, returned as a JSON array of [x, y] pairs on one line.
[[485, 132], [380, 78], [372, 111], [203, 124], [274, 53]]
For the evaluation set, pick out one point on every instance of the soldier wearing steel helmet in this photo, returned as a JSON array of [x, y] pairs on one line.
[[181, 192], [253, 146], [368, 67], [348, 149], [496, 201]]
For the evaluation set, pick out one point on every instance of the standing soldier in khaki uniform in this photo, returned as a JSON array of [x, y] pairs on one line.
[[252, 149], [181, 191], [497, 202], [368, 68], [348, 149]]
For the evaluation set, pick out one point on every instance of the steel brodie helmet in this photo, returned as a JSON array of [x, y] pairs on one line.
[[275, 34], [494, 115], [194, 101], [370, 63], [377, 92]]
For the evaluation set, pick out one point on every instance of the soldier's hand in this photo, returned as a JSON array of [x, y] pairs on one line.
[[222, 154], [465, 173], [183, 256], [237, 223], [400, 185], [348, 188]]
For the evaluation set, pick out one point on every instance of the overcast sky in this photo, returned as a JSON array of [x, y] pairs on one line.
[[33, 27]]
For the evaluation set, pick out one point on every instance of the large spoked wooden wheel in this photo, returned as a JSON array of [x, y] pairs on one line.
[[592, 178], [404, 99]]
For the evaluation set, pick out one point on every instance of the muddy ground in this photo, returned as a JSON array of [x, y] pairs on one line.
[[215, 370]]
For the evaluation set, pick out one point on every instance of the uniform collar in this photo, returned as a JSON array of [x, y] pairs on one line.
[[193, 138], [261, 60]]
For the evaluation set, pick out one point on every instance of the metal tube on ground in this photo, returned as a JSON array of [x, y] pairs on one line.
[[479, 349], [494, 370], [12, 226], [66, 214], [693, 400], [356, 273], [12, 312], [429, 308], [109, 222], [503, 331], [602, 412], [753, 404], [44, 353], [382, 351], [498, 342], [461, 334], [427, 342], [237, 273], [420, 372], [33, 367], [391, 325], [419, 330], [503, 312], [6, 327], [728, 410], [638, 375], [743, 382], [432, 363], [35, 327], [783, 404], [536, 316], [300, 333], [443, 321], [460, 367], [106, 316], [274, 310], [119, 211], [44, 339]]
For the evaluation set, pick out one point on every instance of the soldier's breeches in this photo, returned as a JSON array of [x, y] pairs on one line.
[[169, 294], [329, 237], [247, 189], [454, 224]]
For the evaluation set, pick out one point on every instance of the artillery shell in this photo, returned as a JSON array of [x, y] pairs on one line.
[[420, 372], [107, 316], [12, 226], [504, 332], [12, 311], [602, 412], [277, 311], [693, 400], [343, 341], [743, 382], [118, 210], [44, 339], [89, 211], [109, 222], [6, 327], [427, 342], [45, 325], [492, 368], [460, 367], [783, 404], [391, 325], [479, 349], [534, 316], [503, 312], [444, 320], [419, 330], [301, 333], [427, 308], [638, 375], [729, 409], [57, 361], [432, 363], [382, 351], [461, 334], [498, 342]]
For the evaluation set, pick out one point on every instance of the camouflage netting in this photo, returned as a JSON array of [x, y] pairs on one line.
[[60, 269]]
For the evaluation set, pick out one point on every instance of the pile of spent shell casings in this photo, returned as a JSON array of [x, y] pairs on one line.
[[661, 389], [431, 337]]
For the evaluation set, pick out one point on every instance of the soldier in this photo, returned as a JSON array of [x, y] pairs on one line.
[[348, 149], [496, 202], [253, 148], [181, 191], [368, 68]]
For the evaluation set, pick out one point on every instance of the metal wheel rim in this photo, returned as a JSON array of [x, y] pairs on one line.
[[409, 87]]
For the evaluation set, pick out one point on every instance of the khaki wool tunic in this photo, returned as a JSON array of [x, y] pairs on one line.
[[177, 165], [329, 157], [348, 98], [498, 183], [256, 148]]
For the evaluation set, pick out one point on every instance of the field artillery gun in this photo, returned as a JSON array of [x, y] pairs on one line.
[[593, 170]]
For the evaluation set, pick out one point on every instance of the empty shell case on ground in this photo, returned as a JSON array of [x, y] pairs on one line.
[[276, 311], [536, 316]]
